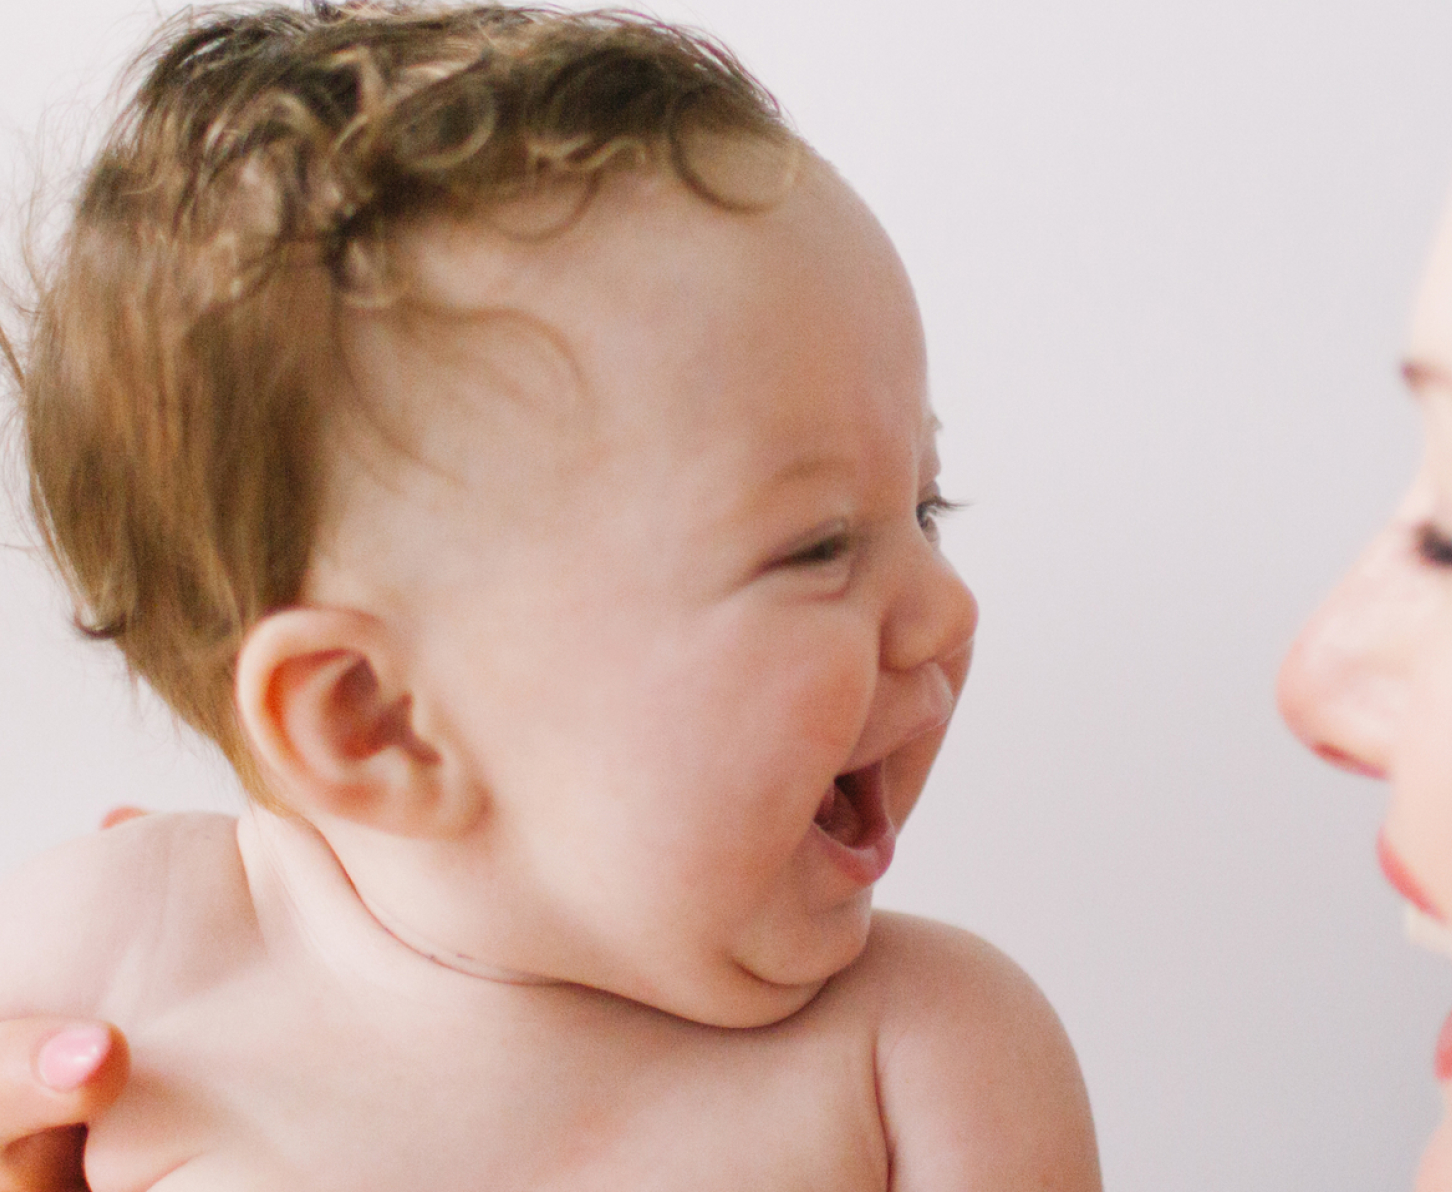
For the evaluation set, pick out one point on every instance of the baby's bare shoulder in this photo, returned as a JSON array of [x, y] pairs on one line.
[[102, 923], [978, 1084]]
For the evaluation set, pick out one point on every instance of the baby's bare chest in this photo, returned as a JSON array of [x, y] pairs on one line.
[[264, 1085]]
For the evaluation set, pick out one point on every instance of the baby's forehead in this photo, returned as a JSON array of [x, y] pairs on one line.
[[626, 251], [570, 231], [578, 287]]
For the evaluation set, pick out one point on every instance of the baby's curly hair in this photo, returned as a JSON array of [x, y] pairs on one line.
[[173, 372]]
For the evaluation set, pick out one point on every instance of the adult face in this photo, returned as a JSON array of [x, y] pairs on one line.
[[1368, 685]]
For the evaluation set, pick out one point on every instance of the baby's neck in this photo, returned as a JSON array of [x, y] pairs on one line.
[[344, 908], [437, 954]]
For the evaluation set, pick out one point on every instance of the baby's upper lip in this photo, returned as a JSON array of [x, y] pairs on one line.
[[1402, 880], [936, 711]]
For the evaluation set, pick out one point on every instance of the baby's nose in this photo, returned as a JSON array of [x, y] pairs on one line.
[[933, 618]]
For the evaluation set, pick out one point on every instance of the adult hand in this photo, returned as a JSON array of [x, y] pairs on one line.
[[55, 1075], [119, 815]]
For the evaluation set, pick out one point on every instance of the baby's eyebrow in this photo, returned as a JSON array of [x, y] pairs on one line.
[[806, 468], [931, 426]]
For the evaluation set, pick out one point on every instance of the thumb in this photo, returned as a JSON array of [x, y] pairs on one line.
[[54, 1072]]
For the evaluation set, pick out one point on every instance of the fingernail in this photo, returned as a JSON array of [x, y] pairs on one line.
[[70, 1058]]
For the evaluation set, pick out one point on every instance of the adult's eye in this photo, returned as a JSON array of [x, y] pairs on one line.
[[1433, 546]]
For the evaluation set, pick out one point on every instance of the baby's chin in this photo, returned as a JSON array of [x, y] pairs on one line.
[[771, 978], [764, 1005]]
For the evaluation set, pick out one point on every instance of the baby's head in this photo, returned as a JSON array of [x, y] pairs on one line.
[[185, 357], [512, 446]]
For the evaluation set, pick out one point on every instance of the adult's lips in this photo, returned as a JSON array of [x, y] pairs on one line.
[[1402, 880]]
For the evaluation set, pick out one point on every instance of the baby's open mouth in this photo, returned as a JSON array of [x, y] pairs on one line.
[[852, 812], [853, 816]]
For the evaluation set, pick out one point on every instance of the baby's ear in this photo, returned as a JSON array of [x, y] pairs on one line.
[[319, 700]]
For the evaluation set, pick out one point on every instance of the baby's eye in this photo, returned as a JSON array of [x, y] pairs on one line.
[[823, 551], [1433, 547], [930, 510]]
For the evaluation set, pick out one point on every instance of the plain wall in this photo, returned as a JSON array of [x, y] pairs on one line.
[[1164, 253]]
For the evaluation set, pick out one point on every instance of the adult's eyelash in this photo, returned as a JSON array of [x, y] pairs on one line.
[[1433, 547]]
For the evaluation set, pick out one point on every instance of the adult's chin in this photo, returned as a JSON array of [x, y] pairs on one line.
[[1435, 1174]]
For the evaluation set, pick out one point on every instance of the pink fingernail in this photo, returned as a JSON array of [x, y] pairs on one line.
[[70, 1058]]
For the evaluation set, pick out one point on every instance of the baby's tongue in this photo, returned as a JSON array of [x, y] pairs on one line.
[[838, 816]]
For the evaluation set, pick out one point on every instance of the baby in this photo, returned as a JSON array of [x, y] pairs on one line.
[[510, 444]]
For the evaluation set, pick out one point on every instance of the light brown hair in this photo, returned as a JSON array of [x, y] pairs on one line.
[[173, 376]]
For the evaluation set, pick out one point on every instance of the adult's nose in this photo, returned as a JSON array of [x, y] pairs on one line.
[[1342, 687]]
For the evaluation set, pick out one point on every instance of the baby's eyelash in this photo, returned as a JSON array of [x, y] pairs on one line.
[[827, 550], [932, 508], [830, 548], [1433, 547]]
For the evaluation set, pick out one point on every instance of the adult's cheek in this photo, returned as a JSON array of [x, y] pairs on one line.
[[1435, 1174]]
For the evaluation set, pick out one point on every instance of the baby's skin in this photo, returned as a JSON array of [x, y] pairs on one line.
[[625, 652]]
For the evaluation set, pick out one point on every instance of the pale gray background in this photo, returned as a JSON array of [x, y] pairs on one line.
[[1164, 254]]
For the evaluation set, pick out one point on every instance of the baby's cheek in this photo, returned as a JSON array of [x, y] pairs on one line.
[[826, 697], [803, 679]]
